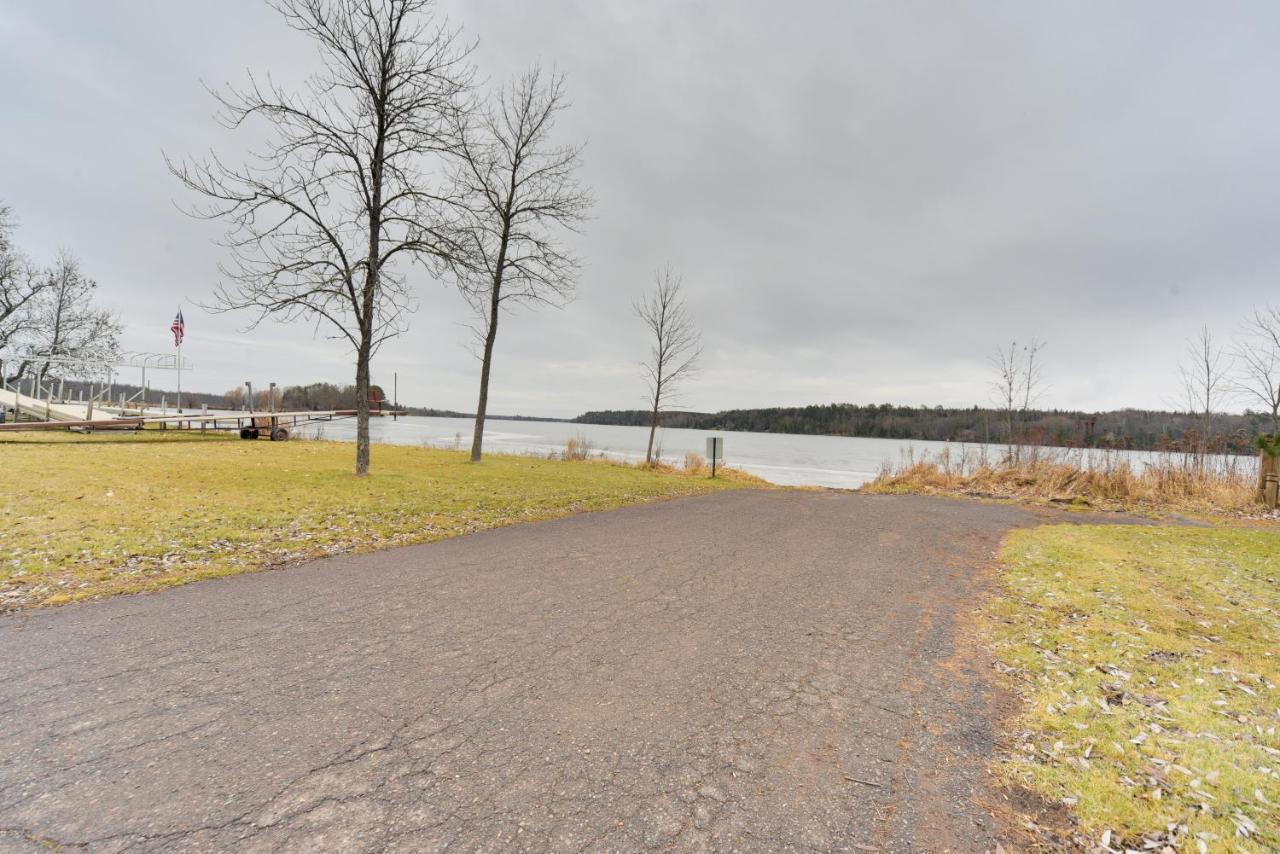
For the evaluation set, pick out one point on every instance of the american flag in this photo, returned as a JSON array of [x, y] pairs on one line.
[[178, 328]]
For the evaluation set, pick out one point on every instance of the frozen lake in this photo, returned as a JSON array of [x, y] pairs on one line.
[[783, 458]]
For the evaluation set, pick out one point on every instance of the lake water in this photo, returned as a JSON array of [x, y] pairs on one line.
[[792, 460]]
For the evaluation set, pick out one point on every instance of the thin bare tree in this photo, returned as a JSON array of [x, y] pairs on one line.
[[1032, 384], [1018, 384], [348, 184], [1257, 358], [519, 188], [1205, 372], [1006, 390], [675, 346], [1033, 374]]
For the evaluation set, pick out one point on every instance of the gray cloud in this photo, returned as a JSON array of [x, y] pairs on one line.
[[864, 198]]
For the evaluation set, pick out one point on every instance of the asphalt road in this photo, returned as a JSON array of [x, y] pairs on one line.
[[748, 671]]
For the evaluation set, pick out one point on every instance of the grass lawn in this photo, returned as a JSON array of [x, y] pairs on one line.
[[84, 516], [1148, 659]]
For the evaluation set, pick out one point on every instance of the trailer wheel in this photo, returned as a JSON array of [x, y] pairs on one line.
[[280, 434], [248, 432]]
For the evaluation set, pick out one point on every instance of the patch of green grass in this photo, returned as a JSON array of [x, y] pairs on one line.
[[1148, 659], [85, 516]]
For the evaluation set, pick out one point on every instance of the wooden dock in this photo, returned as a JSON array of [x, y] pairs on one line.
[[277, 426]]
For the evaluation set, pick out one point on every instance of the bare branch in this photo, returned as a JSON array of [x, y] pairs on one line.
[[62, 321], [20, 287], [1257, 378], [1205, 373], [1018, 384]]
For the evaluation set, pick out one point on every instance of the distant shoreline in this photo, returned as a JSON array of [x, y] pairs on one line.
[[1242, 449], [1125, 429]]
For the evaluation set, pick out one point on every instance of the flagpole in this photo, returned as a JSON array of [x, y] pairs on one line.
[[179, 333]]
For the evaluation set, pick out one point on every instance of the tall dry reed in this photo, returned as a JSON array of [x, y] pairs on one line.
[[577, 447], [1169, 480]]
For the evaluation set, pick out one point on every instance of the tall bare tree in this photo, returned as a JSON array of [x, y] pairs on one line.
[[1257, 359], [348, 183], [519, 188], [1205, 372], [675, 346]]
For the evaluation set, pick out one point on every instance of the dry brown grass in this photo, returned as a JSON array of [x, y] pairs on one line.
[[577, 448], [1180, 482], [723, 472]]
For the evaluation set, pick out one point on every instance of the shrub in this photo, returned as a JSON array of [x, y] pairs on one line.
[[577, 447]]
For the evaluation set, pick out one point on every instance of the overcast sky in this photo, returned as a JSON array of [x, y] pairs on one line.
[[864, 198]]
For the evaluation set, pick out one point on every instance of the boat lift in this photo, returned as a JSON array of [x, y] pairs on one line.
[[52, 411], [277, 426], [45, 397]]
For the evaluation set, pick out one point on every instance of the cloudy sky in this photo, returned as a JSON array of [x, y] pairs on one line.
[[864, 198]]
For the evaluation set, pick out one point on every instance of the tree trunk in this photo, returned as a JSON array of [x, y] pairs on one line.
[[653, 428], [363, 354], [362, 408], [477, 439], [1266, 465], [1013, 452], [491, 334], [373, 269]]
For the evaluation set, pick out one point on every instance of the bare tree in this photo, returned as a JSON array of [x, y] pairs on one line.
[[344, 189], [675, 346], [1032, 383], [1205, 371], [1033, 375], [20, 287], [1257, 378], [67, 325], [518, 188], [1006, 389], [1018, 385], [64, 334]]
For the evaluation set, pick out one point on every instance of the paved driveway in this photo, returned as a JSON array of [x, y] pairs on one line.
[[749, 670]]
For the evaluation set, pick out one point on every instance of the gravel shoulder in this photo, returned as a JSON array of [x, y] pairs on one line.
[[748, 670]]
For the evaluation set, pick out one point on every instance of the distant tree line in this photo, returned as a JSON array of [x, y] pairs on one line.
[[315, 397], [1133, 429], [74, 389]]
